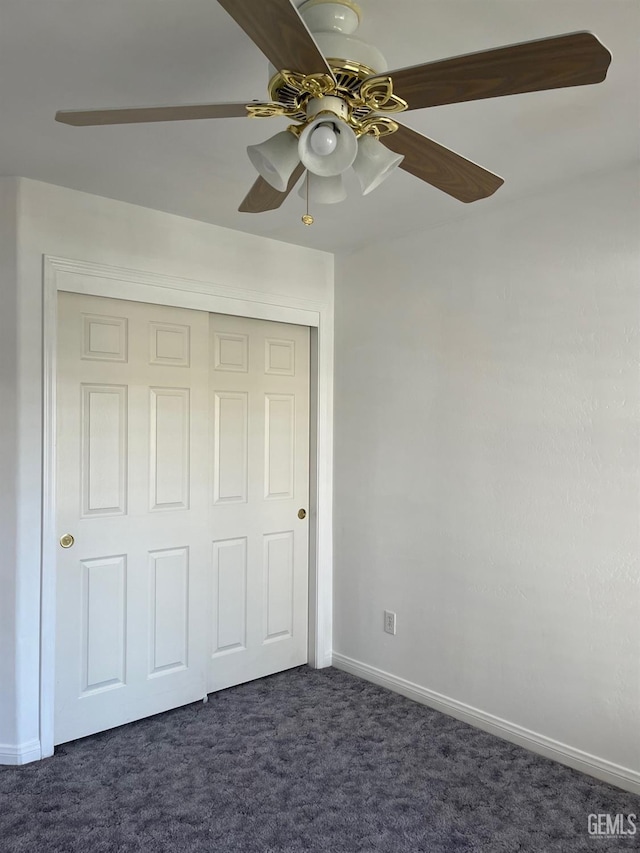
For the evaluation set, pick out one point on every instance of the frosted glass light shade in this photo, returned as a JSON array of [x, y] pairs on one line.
[[374, 163], [323, 190], [339, 160], [276, 159]]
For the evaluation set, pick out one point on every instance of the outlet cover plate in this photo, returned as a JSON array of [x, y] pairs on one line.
[[390, 622]]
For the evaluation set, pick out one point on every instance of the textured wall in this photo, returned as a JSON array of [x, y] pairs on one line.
[[487, 462]]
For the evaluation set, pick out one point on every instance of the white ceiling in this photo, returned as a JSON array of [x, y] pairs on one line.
[[76, 54]]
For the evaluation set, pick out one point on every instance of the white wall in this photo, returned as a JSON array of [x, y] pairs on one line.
[[69, 224], [487, 465], [8, 454]]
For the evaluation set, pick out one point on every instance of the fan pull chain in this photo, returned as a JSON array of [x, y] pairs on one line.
[[307, 218]]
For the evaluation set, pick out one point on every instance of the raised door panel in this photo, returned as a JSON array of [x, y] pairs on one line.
[[278, 586], [229, 605], [279, 357], [169, 344], [104, 640], [104, 338], [230, 424], [168, 610], [169, 448], [104, 449], [231, 352], [279, 454]]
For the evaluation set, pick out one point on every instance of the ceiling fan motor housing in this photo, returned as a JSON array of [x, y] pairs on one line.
[[333, 25]]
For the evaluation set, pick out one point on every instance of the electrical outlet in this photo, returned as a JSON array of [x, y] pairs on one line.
[[389, 621]]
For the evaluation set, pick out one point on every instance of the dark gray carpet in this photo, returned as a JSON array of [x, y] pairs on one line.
[[302, 761]]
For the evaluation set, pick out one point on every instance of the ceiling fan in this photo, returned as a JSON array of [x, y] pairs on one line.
[[343, 103]]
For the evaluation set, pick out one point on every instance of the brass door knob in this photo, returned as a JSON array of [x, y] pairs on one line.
[[67, 540], [302, 513]]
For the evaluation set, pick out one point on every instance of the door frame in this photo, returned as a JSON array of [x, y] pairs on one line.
[[93, 279]]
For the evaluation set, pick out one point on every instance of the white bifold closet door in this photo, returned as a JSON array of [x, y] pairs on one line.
[[182, 462]]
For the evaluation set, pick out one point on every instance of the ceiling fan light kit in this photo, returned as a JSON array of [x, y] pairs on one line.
[[374, 163], [276, 159], [319, 190], [335, 89]]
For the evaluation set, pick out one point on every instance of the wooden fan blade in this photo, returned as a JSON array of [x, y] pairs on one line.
[[278, 30], [85, 118], [441, 167], [262, 196], [575, 59]]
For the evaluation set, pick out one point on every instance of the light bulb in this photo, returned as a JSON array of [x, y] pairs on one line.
[[323, 140]]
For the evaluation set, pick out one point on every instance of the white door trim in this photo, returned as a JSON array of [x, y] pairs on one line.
[[139, 286]]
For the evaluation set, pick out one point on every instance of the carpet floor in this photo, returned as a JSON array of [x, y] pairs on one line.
[[306, 761]]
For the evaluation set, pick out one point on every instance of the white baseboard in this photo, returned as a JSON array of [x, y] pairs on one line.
[[607, 771], [23, 753]]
